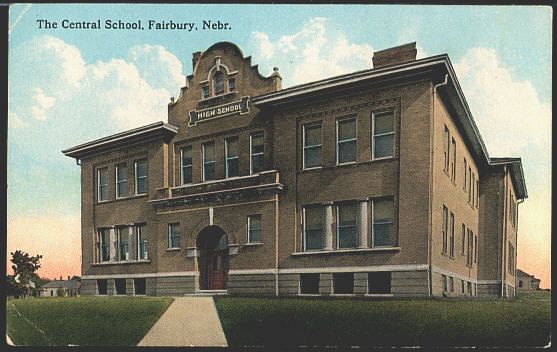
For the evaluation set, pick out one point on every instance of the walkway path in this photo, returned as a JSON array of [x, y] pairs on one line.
[[189, 321]]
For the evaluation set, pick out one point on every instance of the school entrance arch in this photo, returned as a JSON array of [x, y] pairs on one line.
[[212, 243]]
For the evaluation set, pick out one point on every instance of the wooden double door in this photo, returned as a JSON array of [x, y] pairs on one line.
[[213, 259]]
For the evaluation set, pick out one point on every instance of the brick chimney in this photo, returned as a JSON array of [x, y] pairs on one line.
[[394, 56], [195, 58]]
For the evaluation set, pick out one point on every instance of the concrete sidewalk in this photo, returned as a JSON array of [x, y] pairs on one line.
[[189, 321]]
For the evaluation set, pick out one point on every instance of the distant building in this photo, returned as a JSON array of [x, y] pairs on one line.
[[371, 183], [54, 288], [526, 282]]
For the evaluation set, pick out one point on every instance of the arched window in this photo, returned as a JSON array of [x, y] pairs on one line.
[[218, 83]]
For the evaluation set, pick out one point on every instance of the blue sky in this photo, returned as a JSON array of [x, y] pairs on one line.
[[70, 86]]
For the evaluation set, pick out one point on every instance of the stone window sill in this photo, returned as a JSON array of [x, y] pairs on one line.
[[252, 244], [173, 249], [355, 250], [119, 199], [124, 262]]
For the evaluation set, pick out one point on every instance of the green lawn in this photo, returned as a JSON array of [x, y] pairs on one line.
[[355, 322], [82, 320]]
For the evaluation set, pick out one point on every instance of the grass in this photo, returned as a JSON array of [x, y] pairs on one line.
[[524, 321], [82, 320]]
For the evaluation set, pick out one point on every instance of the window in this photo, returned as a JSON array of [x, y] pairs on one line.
[[382, 223], [102, 181], [208, 150], [445, 228], [462, 286], [453, 161], [231, 84], [469, 234], [121, 181], [346, 141], [379, 282], [174, 236], [231, 151], [218, 83], [123, 244], [309, 284], [451, 237], [475, 249], [469, 284], [383, 132], [120, 285], [347, 228], [463, 239], [472, 188], [519, 283], [186, 167], [257, 152], [469, 184], [464, 175], [446, 148], [313, 228], [444, 282], [511, 258], [102, 287], [141, 240], [141, 176], [312, 146], [451, 284], [140, 286], [103, 245], [254, 229], [477, 192], [205, 92], [343, 283]]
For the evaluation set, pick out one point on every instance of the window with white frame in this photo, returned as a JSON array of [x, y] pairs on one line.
[[451, 236], [383, 134], [475, 248], [312, 145], [102, 182], [257, 152], [313, 228], [208, 151], [464, 178], [174, 235], [445, 229], [451, 284], [453, 160], [444, 282], [141, 176], [123, 243], [347, 226], [103, 245], [232, 84], [382, 227], [477, 192], [121, 181], [186, 165], [463, 247], [346, 140], [469, 184], [218, 83], [473, 190], [446, 148], [254, 229], [142, 243], [232, 165], [205, 92]]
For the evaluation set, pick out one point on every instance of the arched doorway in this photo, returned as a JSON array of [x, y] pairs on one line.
[[212, 243]]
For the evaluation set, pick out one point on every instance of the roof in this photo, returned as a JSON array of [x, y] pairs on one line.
[[123, 139], [450, 92], [69, 284]]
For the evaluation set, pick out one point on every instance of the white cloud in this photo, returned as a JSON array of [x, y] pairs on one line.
[[158, 67], [315, 52], [120, 93], [14, 121]]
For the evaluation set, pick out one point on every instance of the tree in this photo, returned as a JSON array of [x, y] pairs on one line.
[[24, 268]]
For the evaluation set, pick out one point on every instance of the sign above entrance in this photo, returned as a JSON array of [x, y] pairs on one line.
[[237, 107]]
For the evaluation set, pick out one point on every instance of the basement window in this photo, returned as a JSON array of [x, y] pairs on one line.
[[102, 287], [309, 284], [120, 286], [379, 282], [343, 283], [140, 286]]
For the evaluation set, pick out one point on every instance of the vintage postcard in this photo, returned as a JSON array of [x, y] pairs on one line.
[[279, 175]]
